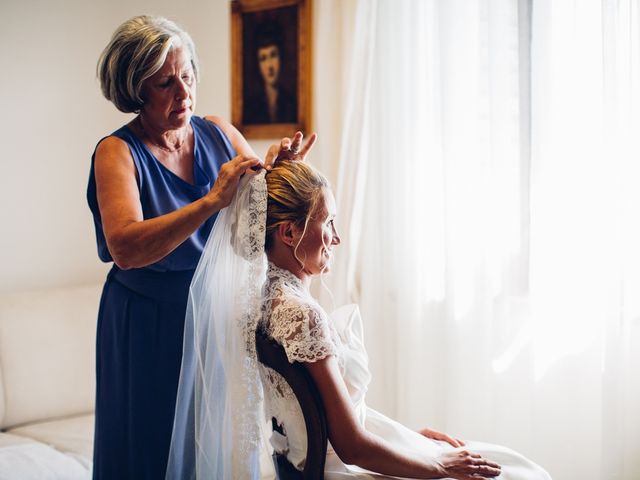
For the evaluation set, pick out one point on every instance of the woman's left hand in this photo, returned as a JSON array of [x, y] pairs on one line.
[[443, 437], [289, 149]]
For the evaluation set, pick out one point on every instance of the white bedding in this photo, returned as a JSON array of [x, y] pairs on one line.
[[24, 459]]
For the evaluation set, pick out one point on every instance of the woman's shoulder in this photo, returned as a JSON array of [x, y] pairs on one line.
[[289, 302], [302, 328], [116, 146], [110, 152], [239, 144], [116, 139], [297, 309], [206, 126], [112, 142], [212, 123]]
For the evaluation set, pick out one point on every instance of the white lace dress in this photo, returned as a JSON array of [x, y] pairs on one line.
[[295, 320]]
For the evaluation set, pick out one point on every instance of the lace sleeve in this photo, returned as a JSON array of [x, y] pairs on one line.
[[303, 331]]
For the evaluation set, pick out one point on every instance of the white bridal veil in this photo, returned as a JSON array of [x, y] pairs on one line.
[[217, 428]]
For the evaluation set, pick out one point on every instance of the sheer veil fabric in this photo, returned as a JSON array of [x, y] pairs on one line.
[[217, 427]]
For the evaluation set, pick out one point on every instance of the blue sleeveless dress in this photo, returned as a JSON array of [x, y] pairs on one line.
[[141, 317]]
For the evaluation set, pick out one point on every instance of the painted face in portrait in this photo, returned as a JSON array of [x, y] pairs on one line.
[[170, 94], [269, 61]]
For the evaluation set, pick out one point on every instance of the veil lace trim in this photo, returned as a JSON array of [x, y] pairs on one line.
[[218, 422]]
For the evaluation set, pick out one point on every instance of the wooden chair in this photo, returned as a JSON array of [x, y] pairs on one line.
[[272, 354]]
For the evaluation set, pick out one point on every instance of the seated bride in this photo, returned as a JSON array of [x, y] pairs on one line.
[[279, 232]]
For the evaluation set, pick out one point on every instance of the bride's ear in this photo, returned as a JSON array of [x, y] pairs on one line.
[[287, 233]]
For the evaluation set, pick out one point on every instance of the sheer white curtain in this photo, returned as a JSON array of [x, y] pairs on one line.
[[585, 225], [489, 193]]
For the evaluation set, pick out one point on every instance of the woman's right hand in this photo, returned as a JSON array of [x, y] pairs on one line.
[[289, 149], [229, 175], [465, 465]]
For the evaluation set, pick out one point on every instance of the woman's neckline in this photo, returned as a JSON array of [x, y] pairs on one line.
[[146, 134], [288, 275], [195, 183]]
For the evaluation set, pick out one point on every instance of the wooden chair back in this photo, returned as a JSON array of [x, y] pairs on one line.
[[272, 354]]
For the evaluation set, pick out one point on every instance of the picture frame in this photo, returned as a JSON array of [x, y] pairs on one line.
[[271, 58]]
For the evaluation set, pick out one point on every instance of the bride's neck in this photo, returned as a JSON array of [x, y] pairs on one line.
[[285, 261]]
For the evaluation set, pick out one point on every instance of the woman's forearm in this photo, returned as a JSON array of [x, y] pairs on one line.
[[142, 243], [376, 454], [135, 242], [352, 442]]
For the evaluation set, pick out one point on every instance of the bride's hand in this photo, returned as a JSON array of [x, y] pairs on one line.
[[464, 465], [289, 149], [443, 437]]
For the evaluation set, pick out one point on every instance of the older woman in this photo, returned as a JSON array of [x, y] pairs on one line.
[[155, 187]]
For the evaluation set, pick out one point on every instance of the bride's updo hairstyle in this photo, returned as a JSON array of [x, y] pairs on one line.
[[293, 189]]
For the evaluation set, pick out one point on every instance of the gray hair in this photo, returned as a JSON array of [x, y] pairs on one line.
[[137, 50]]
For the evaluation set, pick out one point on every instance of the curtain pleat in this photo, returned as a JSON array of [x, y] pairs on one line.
[[488, 206]]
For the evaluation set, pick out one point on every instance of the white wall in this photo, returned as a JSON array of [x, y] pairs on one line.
[[52, 115]]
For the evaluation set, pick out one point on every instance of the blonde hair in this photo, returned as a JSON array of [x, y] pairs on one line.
[[137, 50], [293, 189]]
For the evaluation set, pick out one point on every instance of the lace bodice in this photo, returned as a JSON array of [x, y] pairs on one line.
[[292, 317]]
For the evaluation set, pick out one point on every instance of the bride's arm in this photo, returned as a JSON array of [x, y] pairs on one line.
[[356, 446]]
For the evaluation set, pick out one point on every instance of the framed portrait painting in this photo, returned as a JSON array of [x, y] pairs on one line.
[[271, 67]]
